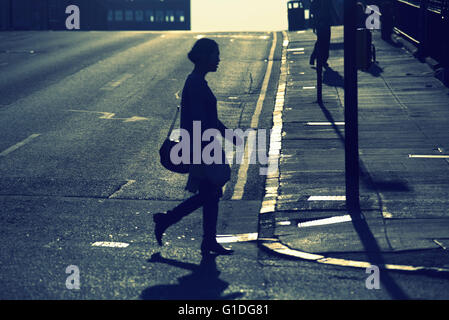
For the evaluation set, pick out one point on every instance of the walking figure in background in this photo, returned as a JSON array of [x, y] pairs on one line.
[[199, 104], [322, 21]]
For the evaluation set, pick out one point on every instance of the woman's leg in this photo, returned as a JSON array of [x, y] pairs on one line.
[[184, 208], [211, 196], [165, 220]]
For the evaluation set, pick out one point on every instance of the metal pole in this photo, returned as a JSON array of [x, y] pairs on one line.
[[351, 115], [319, 78], [423, 17]]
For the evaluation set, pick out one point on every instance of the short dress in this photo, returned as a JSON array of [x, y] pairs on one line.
[[198, 103]]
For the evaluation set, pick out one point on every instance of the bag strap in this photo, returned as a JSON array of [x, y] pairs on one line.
[[174, 121]]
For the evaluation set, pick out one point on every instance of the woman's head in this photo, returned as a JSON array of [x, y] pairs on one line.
[[205, 54]]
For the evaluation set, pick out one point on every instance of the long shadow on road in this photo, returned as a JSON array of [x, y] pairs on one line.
[[202, 284]]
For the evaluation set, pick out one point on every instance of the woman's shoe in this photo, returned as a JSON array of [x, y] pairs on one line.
[[161, 224], [208, 247]]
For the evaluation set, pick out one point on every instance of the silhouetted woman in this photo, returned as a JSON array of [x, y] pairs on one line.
[[198, 104]]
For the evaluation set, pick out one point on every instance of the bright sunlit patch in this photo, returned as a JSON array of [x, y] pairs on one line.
[[323, 222], [244, 237], [428, 156], [327, 198], [325, 123], [107, 244], [283, 223], [238, 15]]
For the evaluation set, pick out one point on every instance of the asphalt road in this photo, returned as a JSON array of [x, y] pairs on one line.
[[82, 116]]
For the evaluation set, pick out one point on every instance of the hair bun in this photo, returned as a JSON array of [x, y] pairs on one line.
[[202, 49]]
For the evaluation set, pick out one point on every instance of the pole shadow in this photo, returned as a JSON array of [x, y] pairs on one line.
[[202, 284], [360, 225], [374, 69]]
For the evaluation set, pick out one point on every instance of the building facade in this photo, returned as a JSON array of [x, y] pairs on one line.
[[96, 14]]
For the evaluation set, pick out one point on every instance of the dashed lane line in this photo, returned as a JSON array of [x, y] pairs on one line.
[[19, 144]]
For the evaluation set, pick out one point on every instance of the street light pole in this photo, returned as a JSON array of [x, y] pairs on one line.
[[351, 114]]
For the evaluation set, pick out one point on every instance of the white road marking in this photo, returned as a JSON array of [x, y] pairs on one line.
[[111, 116], [108, 244], [325, 123], [327, 198], [19, 144], [272, 181], [231, 238], [326, 221], [243, 169], [235, 36], [295, 49], [283, 223], [428, 156]]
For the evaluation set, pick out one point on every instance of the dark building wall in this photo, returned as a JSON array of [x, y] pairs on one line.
[[23, 15], [96, 14], [4, 14]]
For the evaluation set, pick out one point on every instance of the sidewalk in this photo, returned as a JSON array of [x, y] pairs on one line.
[[404, 180]]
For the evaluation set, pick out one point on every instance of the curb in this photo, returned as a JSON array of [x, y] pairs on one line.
[[279, 248]]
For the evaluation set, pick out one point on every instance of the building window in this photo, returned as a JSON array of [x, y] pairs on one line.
[[169, 16], [110, 15], [149, 15], [159, 16], [180, 16], [139, 15], [129, 16], [118, 15]]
